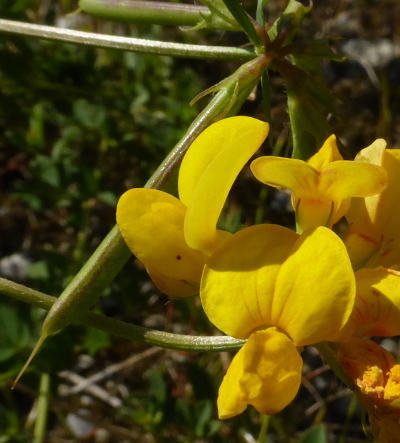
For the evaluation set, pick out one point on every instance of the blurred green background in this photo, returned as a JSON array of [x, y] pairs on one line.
[[78, 126]]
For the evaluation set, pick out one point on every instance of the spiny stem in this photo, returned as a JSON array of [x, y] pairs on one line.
[[30, 358], [125, 43], [122, 329]]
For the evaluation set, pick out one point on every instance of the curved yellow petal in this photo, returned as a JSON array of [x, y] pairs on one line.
[[151, 223], [239, 133], [287, 173], [173, 287], [362, 211], [377, 308], [377, 217], [315, 289], [344, 179], [239, 279], [328, 153], [373, 153], [208, 171], [385, 213], [265, 373]]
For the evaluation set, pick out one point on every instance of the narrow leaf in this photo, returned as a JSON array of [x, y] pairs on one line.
[[289, 21], [243, 19]]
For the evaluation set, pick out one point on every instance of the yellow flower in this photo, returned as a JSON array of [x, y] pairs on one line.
[[377, 306], [323, 186], [374, 236], [153, 222], [280, 291], [377, 376]]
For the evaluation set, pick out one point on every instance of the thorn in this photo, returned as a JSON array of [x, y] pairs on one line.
[[28, 362]]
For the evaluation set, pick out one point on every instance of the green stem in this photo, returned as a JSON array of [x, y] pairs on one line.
[[162, 13], [125, 43], [96, 274], [130, 11], [123, 329], [215, 108], [264, 428], [39, 433]]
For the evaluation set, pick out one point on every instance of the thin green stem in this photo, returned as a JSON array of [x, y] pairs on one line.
[[236, 9], [216, 107], [162, 13], [123, 329], [350, 414], [265, 419], [95, 275], [39, 433], [125, 43], [131, 11]]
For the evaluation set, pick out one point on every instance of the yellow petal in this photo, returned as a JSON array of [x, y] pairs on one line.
[[362, 211], [151, 223], [287, 173], [327, 153], [238, 281], [378, 217], [315, 289], [173, 287], [344, 179], [314, 212], [386, 216], [392, 388], [208, 171], [231, 134], [377, 307], [265, 373], [373, 153], [363, 248]]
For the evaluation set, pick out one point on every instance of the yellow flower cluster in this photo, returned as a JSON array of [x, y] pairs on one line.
[[278, 289]]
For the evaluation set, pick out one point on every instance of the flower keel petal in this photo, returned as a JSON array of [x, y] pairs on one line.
[[265, 373]]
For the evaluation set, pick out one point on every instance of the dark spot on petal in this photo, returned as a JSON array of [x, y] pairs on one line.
[[178, 257]]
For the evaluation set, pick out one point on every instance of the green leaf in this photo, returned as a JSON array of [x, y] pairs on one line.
[[309, 102], [316, 434], [6, 353], [260, 11], [12, 328], [89, 115], [108, 197], [158, 386], [220, 13], [47, 170], [203, 416], [15, 332], [289, 21], [35, 135], [236, 9], [39, 270], [95, 340]]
